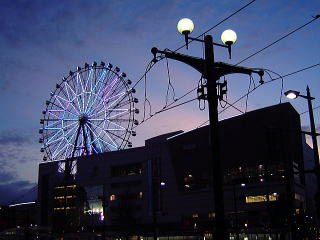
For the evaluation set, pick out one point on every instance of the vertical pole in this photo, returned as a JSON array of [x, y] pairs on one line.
[[214, 150], [314, 145]]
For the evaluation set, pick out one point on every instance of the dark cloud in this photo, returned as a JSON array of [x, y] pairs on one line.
[[17, 192], [16, 137]]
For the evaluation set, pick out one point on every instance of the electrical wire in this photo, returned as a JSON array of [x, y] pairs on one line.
[[152, 62], [271, 80], [217, 24], [317, 107], [163, 110], [285, 36], [169, 85]]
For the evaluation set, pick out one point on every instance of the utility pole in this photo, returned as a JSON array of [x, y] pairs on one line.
[[212, 71], [315, 148]]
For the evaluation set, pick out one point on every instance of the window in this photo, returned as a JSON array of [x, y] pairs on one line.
[[113, 197], [127, 170], [126, 184], [195, 215], [298, 197], [261, 198]]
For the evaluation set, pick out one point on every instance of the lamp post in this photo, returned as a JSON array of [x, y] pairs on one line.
[[212, 71], [291, 94]]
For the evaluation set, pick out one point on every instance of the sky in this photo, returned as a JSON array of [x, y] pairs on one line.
[[42, 40]]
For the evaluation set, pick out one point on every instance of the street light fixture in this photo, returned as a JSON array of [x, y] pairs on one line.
[[292, 94]]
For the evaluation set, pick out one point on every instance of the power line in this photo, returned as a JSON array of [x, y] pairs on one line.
[[165, 109], [152, 62], [269, 45], [216, 25], [271, 80], [308, 110]]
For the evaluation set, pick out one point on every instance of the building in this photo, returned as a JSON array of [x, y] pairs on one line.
[[165, 187]]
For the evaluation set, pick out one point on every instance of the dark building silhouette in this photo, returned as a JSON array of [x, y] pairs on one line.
[[168, 182]]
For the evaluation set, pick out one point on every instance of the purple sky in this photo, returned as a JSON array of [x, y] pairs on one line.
[[41, 40]]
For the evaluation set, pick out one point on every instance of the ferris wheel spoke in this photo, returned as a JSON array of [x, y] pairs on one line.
[[118, 115], [54, 136], [71, 98], [54, 154], [102, 91], [61, 150], [95, 137], [106, 133], [117, 97]]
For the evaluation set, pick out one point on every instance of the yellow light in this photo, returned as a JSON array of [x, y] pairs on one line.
[[185, 26], [228, 37]]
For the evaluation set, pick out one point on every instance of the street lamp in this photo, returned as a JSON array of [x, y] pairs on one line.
[[212, 71], [292, 95]]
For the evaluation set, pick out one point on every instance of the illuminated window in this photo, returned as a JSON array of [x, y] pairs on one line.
[[298, 197], [211, 215], [195, 215], [140, 194], [112, 197], [261, 198], [254, 199]]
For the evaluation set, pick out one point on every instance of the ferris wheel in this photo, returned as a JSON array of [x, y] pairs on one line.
[[91, 111]]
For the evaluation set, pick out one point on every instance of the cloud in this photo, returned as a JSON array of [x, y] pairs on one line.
[[17, 192]]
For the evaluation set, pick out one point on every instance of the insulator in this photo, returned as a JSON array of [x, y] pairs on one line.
[[51, 94], [136, 110], [132, 90], [40, 140], [44, 112], [45, 158], [78, 68], [135, 100], [133, 133], [41, 131], [64, 79], [110, 65], [129, 144], [94, 64], [41, 149], [129, 81], [117, 69], [123, 75], [47, 102], [41, 121], [102, 64], [70, 73], [86, 65], [57, 86], [136, 122]]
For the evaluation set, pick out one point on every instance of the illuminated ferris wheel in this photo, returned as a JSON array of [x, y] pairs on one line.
[[91, 111]]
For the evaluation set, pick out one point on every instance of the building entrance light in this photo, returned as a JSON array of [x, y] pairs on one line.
[[229, 37], [292, 94]]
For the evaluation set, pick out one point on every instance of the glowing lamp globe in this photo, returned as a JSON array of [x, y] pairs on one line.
[[185, 26], [228, 37], [291, 94]]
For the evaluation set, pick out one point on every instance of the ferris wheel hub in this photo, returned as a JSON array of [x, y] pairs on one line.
[[83, 118]]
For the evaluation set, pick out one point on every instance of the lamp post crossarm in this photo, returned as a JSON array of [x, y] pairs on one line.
[[306, 97], [195, 62], [214, 43], [219, 68], [310, 133], [225, 69]]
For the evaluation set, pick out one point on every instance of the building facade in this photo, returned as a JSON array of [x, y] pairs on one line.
[[165, 187]]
